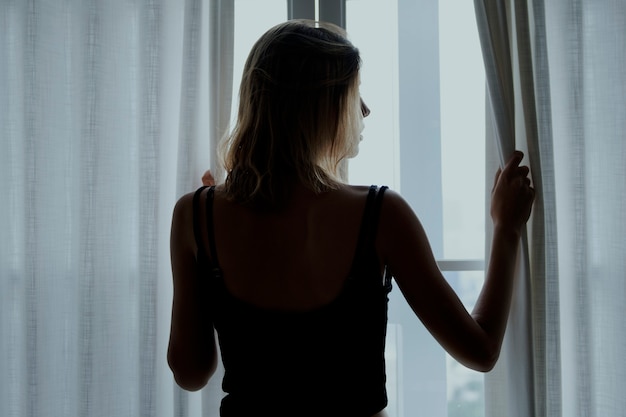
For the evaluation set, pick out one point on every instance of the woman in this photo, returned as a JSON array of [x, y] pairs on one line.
[[292, 267]]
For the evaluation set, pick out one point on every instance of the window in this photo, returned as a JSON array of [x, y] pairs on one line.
[[423, 79]]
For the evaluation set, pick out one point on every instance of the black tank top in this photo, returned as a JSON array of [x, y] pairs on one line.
[[325, 362]]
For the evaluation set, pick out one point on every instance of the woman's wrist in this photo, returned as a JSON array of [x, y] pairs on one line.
[[508, 231]]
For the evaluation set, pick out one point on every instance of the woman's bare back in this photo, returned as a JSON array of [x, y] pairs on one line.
[[295, 260]]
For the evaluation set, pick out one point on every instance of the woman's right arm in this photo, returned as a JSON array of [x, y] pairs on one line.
[[472, 339], [192, 354]]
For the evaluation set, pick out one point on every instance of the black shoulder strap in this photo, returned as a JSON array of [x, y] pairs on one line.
[[217, 272], [196, 220], [374, 229], [369, 223], [376, 213]]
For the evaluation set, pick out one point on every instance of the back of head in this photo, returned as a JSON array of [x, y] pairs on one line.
[[298, 107]]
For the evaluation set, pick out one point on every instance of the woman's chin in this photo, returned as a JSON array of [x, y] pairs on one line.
[[353, 152]]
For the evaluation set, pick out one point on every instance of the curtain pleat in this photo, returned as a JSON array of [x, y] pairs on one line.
[[188, 168], [221, 48], [528, 374], [149, 196], [491, 17], [516, 360], [535, 94], [573, 227]]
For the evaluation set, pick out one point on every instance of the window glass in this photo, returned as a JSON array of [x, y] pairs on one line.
[[462, 92], [465, 387], [252, 19], [372, 27]]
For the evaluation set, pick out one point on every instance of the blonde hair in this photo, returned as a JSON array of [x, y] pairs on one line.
[[298, 103]]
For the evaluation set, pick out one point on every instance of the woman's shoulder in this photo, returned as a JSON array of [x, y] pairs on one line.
[[357, 191], [391, 198], [183, 212], [354, 197], [183, 208], [182, 236]]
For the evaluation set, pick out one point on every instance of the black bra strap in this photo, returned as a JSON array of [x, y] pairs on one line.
[[373, 229], [372, 225], [376, 213], [196, 221], [369, 223], [217, 272], [365, 221]]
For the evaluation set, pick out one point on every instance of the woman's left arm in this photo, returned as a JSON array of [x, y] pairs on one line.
[[191, 353]]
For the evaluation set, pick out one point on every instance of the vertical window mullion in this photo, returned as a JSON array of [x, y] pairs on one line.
[[333, 11], [300, 9]]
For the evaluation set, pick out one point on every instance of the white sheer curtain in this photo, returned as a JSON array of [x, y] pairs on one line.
[[104, 122], [557, 88]]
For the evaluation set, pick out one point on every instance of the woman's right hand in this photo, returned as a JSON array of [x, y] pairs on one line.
[[512, 195], [208, 179]]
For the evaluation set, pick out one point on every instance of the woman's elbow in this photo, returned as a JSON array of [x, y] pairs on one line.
[[486, 360], [190, 375], [190, 382], [484, 367], [480, 356]]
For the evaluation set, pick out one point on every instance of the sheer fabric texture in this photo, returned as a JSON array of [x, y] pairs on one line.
[[103, 121], [557, 88]]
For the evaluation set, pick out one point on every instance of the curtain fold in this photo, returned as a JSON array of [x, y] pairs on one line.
[[509, 387], [566, 64], [104, 122], [221, 51], [536, 105]]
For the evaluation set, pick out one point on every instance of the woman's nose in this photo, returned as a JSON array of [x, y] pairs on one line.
[[364, 109]]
